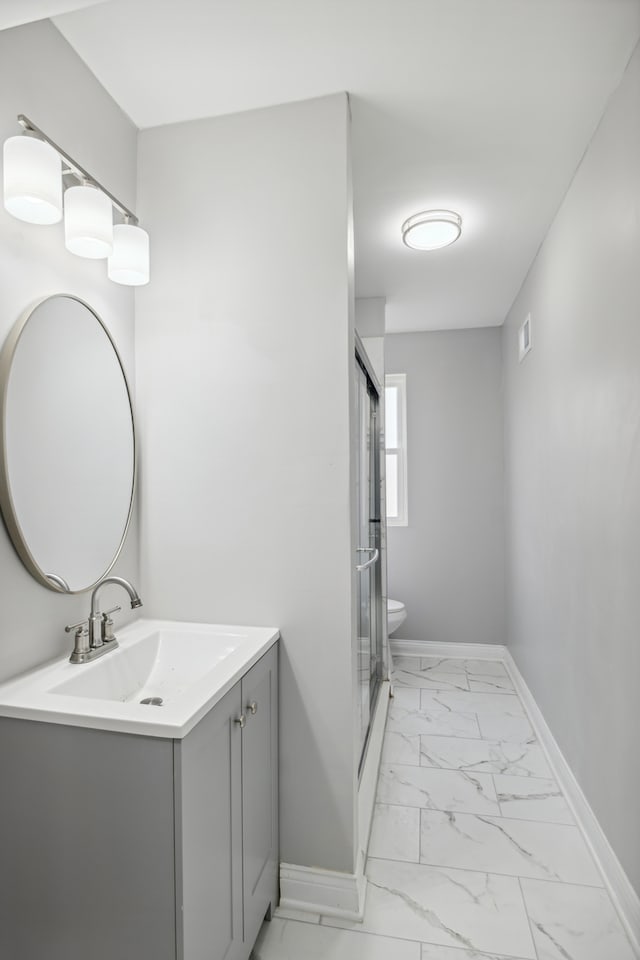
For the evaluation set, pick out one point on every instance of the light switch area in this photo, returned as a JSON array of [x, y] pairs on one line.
[[524, 338]]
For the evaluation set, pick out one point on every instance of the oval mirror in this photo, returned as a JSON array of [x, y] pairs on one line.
[[68, 450]]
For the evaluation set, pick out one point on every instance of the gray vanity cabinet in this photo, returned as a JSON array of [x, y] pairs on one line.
[[227, 820], [208, 833], [260, 793], [121, 846]]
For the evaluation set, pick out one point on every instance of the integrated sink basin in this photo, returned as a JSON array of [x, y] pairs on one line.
[[180, 670]]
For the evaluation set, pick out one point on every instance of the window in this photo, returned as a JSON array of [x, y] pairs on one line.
[[395, 412]]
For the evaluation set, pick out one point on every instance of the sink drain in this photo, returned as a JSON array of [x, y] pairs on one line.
[[152, 701]]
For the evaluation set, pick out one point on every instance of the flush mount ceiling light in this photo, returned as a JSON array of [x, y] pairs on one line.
[[34, 168], [432, 229]]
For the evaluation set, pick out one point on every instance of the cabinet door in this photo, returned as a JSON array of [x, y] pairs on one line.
[[209, 835], [260, 792]]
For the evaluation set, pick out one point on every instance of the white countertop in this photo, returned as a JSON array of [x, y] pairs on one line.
[[190, 665]]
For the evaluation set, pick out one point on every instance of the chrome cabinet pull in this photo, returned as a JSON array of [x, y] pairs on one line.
[[241, 720], [252, 707], [368, 563]]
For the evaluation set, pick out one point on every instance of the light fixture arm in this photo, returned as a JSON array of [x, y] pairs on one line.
[[76, 170]]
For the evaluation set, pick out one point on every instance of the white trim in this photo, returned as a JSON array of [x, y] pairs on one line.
[[311, 890], [429, 648], [625, 898], [369, 777], [399, 381], [327, 892]]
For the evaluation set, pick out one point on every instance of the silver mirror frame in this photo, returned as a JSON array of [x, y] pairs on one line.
[[6, 501]]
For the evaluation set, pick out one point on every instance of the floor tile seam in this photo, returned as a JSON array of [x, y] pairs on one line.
[[453, 689], [497, 816], [488, 693], [326, 921], [500, 873], [489, 873], [492, 740], [586, 886], [492, 773], [464, 952], [415, 686], [449, 736], [529, 919], [387, 803], [471, 769], [413, 806], [471, 813], [553, 823], [428, 943]]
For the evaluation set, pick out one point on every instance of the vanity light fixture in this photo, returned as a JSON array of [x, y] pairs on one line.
[[34, 172], [88, 222], [431, 229], [129, 262], [32, 180]]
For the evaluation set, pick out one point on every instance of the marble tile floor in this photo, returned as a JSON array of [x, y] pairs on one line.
[[474, 854]]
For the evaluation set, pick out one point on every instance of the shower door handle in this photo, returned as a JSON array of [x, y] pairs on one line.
[[369, 563]]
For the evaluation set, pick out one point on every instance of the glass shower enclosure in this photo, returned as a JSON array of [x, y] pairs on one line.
[[369, 547]]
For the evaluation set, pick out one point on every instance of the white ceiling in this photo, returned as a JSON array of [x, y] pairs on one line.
[[13, 13], [483, 106]]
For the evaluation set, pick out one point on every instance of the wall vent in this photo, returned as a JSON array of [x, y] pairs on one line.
[[524, 338]]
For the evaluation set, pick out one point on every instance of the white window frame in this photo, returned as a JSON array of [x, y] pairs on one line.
[[399, 381]]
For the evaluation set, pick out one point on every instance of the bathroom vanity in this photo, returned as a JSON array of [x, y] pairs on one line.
[[142, 831]]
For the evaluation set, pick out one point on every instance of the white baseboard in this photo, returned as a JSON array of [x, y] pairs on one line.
[[429, 648], [325, 892], [625, 898], [309, 890]]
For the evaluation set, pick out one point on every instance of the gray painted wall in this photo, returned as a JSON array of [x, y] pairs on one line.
[[245, 367], [41, 76], [573, 475], [447, 565]]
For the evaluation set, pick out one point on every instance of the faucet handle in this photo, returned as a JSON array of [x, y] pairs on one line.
[[81, 645], [106, 627]]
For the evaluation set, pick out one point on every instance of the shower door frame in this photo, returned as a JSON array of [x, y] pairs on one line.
[[377, 625]]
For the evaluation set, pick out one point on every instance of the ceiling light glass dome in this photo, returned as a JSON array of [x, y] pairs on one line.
[[431, 229]]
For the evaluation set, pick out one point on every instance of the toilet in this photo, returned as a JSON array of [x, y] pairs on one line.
[[396, 615]]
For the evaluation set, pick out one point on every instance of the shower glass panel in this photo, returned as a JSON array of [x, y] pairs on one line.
[[368, 556]]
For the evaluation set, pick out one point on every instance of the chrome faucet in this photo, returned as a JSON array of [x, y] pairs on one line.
[[89, 642]]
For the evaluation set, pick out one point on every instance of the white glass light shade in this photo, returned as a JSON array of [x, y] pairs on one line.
[[32, 180], [88, 222], [129, 262], [432, 229]]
